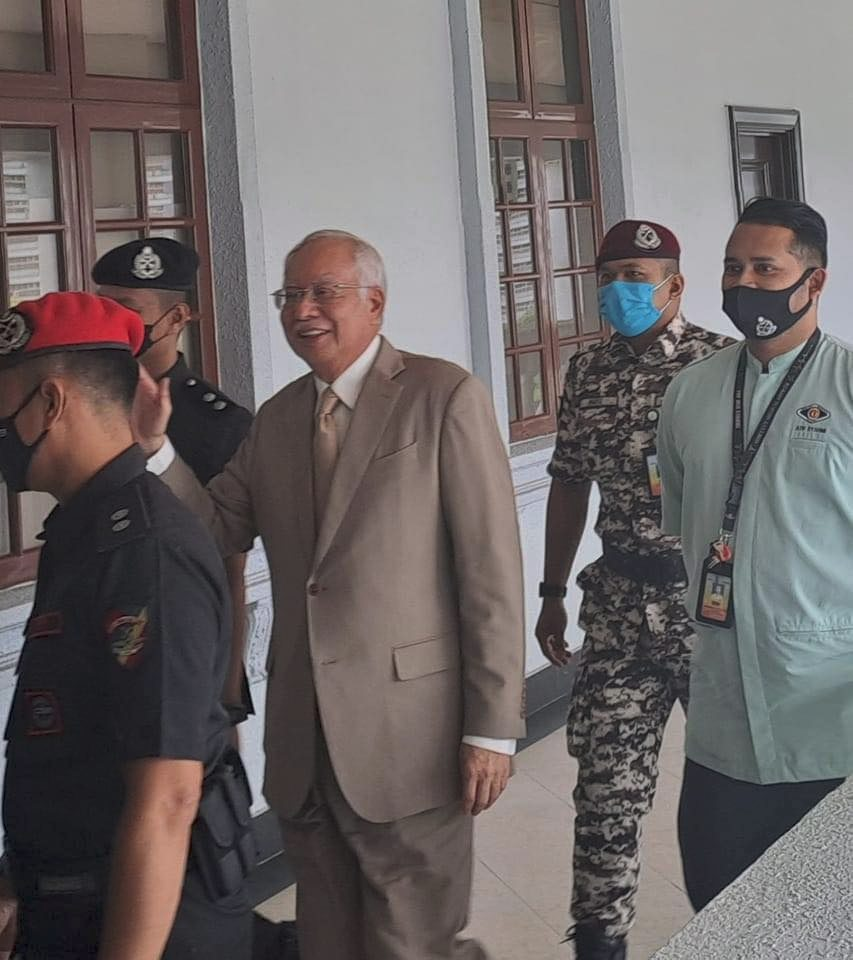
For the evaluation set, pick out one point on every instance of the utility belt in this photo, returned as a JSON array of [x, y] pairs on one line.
[[655, 571], [222, 848]]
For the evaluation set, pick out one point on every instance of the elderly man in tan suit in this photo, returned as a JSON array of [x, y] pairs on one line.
[[380, 486]]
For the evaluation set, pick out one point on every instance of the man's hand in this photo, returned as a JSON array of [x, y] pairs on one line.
[[551, 632], [152, 408], [8, 919], [485, 775]]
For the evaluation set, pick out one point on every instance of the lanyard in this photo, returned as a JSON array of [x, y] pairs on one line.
[[743, 457]]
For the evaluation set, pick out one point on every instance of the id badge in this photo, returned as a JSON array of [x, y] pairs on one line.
[[652, 472], [715, 606]]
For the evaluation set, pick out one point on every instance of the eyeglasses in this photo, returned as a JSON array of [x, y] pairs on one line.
[[322, 293]]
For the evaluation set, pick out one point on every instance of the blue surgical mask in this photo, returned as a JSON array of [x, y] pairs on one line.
[[630, 307]]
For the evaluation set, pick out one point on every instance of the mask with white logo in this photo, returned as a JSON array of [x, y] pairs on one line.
[[764, 314]]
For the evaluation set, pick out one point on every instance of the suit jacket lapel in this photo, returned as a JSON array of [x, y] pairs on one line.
[[379, 396], [300, 456]]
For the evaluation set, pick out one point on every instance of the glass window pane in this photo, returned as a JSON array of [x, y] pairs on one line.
[[514, 171], [493, 156], [747, 147], [556, 52], [22, 39], [567, 351], [521, 241], [510, 390], [106, 240], [754, 184], [581, 176], [532, 393], [114, 175], [33, 266], [555, 181], [499, 230], [505, 320], [583, 235], [29, 186], [165, 174], [564, 307], [526, 314], [183, 235], [588, 303], [34, 508], [560, 259], [499, 50], [132, 38]]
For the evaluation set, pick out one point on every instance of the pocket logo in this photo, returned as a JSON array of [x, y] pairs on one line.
[[813, 413]]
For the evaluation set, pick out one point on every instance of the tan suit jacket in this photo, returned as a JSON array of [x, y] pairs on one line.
[[401, 622]]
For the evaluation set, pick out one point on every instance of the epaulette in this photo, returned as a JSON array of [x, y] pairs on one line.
[[122, 517], [205, 395]]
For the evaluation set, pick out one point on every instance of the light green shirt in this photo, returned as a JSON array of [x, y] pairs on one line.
[[771, 700]]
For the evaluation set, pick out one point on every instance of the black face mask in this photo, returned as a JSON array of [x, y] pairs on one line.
[[15, 455], [147, 340], [764, 314]]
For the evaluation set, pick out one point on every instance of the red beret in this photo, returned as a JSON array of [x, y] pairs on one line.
[[61, 322], [638, 239]]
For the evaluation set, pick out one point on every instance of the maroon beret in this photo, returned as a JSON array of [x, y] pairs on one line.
[[638, 239], [61, 322]]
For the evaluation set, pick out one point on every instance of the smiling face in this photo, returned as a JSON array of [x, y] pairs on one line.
[[329, 335]]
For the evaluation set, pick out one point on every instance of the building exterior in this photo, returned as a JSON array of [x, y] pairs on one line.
[[483, 145]]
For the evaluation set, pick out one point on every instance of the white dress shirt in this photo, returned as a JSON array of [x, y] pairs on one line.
[[347, 388]]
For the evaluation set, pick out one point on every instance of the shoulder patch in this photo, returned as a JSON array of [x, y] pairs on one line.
[[126, 632]]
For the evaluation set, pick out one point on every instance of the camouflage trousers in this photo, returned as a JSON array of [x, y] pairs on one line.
[[634, 665]]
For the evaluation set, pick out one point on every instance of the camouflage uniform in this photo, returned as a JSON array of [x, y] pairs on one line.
[[635, 658]]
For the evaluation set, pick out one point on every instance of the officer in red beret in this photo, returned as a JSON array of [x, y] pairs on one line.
[[634, 663], [118, 772]]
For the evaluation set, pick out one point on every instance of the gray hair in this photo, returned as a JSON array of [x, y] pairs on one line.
[[371, 269]]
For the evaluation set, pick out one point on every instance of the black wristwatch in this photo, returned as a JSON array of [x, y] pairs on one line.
[[552, 590]]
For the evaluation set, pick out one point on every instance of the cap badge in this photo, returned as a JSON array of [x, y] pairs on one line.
[[14, 332], [647, 238], [147, 265]]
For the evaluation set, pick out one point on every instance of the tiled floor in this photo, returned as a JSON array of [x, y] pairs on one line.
[[523, 877]]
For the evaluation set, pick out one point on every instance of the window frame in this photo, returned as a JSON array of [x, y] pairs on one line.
[[140, 119], [54, 82], [73, 105], [185, 90], [534, 123], [768, 122]]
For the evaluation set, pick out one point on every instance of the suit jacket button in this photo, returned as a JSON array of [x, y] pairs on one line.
[[314, 589]]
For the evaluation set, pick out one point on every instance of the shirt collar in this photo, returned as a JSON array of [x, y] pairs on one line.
[[778, 364], [66, 523], [347, 387], [666, 343]]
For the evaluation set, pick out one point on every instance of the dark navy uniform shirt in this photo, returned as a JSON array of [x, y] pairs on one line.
[[124, 658], [206, 427]]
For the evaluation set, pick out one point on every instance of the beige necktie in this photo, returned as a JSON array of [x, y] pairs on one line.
[[325, 452]]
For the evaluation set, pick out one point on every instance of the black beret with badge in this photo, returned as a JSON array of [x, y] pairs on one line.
[[155, 263]]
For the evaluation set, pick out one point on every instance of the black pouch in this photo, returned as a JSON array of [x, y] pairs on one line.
[[223, 847]]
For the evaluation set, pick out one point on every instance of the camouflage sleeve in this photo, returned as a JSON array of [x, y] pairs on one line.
[[567, 462], [670, 465]]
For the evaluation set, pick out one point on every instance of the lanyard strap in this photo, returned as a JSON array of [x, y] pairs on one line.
[[744, 456]]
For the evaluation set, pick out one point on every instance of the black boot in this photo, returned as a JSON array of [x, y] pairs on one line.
[[591, 943]]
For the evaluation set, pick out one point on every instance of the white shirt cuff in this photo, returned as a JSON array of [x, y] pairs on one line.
[[496, 746], [160, 462]]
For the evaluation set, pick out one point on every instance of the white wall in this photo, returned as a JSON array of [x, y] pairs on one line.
[[683, 63], [355, 129]]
